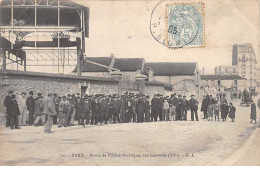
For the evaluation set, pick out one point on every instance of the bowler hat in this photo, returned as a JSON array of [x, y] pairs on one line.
[[192, 95], [23, 93], [10, 91], [13, 96], [31, 92]]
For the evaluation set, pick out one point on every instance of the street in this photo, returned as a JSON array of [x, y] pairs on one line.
[[155, 143]]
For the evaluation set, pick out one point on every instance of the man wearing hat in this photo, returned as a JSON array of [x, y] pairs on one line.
[[24, 115], [64, 109], [193, 103], [49, 111], [7, 104], [30, 106], [178, 108], [173, 104], [14, 113], [184, 108]]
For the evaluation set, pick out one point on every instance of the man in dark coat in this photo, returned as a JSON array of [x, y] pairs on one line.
[[232, 112], [95, 111], [140, 108], [224, 110], [84, 111], [178, 108], [57, 102], [30, 106], [173, 102], [104, 105], [154, 110], [7, 104], [133, 105], [184, 108], [14, 113], [204, 107], [128, 109], [116, 109], [147, 109], [160, 107], [193, 103]]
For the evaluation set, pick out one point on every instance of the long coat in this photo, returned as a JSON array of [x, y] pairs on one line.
[[7, 103], [49, 106], [253, 111], [14, 109], [38, 107], [204, 105], [30, 104], [140, 109]]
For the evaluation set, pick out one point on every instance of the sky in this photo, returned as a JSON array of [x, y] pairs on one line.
[[123, 28]]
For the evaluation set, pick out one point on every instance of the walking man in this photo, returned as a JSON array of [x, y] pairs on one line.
[[49, 111]]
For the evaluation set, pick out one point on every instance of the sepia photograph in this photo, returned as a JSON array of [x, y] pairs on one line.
[[129, 83]]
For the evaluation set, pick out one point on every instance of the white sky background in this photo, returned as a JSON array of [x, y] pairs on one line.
[[122, 28]]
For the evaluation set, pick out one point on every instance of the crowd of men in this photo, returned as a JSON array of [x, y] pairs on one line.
[[94, 109], [101, 109]]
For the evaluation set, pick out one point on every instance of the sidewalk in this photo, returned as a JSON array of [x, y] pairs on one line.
[[249, 154]]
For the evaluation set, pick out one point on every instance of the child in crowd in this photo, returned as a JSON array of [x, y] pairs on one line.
[[216, 110], [232, 112]]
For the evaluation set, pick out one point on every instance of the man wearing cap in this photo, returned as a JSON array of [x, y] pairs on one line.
[[49, 111], [184, 108], [95, 111], [161, 100], [14, 113], [104, 106], [30, 106], [24, 115], [133, 106], [84, 111], [116, 112], [193, 103], [178, 108], [140, 108], [38, 110], [173, 104], [7, 104]]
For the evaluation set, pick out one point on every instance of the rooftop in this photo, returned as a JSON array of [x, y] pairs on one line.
[[222, 77], [171, 68]]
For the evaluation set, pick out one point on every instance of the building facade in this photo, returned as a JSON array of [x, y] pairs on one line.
[[244, 58]]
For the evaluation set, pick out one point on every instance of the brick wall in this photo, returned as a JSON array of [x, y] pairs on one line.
[[44, 84]]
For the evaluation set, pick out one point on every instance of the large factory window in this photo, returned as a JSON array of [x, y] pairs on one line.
[[5, 16], [47, 17], [69, 17], [23, 16]]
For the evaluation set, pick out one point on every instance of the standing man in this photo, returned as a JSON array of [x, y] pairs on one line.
[[173, 102], [38, 111], [178, 108], [140, 108], [14, 113], [116, 106], [23, 110], [147, 109], [184, 108], [57, 102], [133, 105], [7, 104], [104, 109], [95, 111], [49, 111], [64, 108], [30, 106], [193, 107], [204, 107]]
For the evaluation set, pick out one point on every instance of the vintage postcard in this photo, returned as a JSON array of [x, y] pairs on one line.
[[129, 83]]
